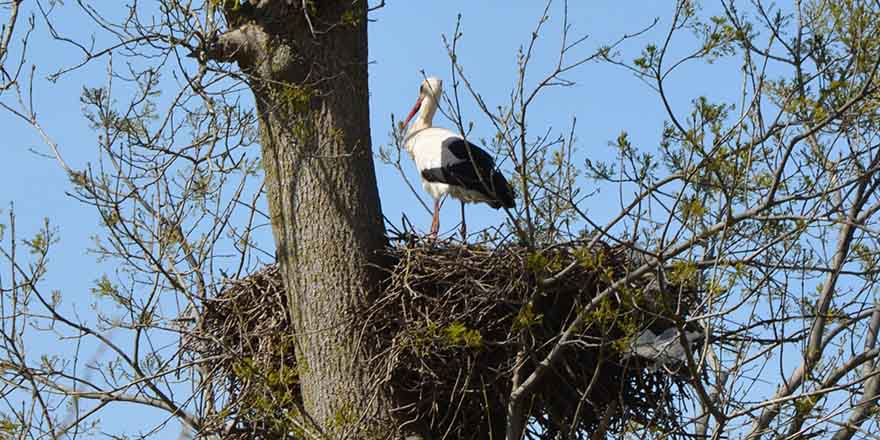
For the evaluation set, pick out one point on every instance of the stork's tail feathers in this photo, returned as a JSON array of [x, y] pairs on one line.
[[503, 192]]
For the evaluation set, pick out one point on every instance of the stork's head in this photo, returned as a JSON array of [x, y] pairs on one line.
[[431, 86], [430, 91]]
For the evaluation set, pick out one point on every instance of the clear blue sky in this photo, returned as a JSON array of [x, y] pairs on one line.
[[404, 40]]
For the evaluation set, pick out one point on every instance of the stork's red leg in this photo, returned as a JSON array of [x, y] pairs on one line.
[[463, 225], [435, 223]]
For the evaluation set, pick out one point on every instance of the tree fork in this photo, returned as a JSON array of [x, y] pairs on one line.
[[308, 70]]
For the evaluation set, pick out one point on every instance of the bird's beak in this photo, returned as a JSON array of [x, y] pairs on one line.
[[412, 112]]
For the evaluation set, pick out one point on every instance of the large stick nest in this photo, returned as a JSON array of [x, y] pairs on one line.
[[451, 331]]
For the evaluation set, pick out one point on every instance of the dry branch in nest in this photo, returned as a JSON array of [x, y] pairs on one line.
[[446, 336]]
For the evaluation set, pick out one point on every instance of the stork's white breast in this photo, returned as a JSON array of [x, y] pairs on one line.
[[426, 148]]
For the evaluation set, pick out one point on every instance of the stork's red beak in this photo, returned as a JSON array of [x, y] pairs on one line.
[[412, 112]]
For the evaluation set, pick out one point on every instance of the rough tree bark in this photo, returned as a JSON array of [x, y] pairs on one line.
[[308, 71]]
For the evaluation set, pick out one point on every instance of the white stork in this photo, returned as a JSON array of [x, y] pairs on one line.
[[448, 164]]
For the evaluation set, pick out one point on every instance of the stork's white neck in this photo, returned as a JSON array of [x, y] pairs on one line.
[[425, 118]]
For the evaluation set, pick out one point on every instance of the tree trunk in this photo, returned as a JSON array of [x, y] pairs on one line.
[[309, 70]]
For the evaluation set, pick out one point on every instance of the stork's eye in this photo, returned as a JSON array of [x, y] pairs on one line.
[[422, 89]]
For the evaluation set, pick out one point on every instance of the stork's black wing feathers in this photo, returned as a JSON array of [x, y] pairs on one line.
[[474, 170], [466, 151]]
